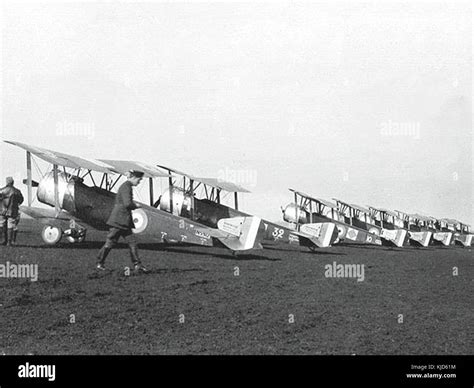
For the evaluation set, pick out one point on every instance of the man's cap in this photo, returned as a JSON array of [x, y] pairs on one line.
[[10, 180], [136, 173]]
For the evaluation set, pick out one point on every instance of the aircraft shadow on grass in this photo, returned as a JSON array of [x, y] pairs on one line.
[[393, 249], [304, 252], [172, 248], [182, 249]]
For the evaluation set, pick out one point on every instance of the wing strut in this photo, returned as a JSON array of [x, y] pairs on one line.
[[150, 183], [170, 182], [191, 188], [296, 212], [28, 177], [56, 191]]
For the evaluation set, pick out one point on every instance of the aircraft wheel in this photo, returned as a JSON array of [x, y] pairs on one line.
[[51, 234]]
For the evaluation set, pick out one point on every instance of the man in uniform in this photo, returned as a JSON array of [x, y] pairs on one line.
[[10, 201], [121, 222]]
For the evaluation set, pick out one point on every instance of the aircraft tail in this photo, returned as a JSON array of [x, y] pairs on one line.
[[243, 233], [464, 239], [423, 238], [443, 237], [394, 236], [320, 234]]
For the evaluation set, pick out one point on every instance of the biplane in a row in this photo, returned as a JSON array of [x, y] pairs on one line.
[[363, 218], [199, 199], [307, 210], [79, 190], [417, 233], [423, 229], [462, 232], [375, 225]]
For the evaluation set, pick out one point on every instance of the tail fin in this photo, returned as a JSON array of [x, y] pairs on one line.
[[464, 239], [395, 236], [320, 233], [243, 232], [422, 238], [443, 237]]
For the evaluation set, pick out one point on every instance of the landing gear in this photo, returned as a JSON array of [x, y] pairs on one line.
[[75, 235], [51, 235]]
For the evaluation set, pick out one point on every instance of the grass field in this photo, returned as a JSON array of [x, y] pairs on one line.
[[228, 314]]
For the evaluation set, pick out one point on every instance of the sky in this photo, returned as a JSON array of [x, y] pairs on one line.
[[369, 102]]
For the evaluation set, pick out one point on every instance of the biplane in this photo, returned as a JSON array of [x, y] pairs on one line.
[[306, 210], [388, 219], [361, 217], [462, 231], [78, 200], [200, 200], [441, 234], [419, 233], [422, 223]]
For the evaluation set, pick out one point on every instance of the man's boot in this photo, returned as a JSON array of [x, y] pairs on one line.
[[104, 251], [5, 235], [15, 232], [9, 237], [137, 265]]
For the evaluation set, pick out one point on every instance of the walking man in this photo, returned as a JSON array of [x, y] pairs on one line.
[[10, 201], [121, 223]]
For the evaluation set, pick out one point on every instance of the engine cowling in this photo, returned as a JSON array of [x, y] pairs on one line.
[[295, 214], [45, 192]]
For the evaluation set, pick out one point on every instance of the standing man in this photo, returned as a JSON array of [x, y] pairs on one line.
[[121, 222], [11, 199]]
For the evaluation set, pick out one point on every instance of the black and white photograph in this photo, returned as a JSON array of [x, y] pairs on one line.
[[223, 178]]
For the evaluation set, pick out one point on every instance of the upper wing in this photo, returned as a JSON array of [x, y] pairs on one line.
[[65, 160], [175, 171], [420, 217], [360, 208], [106, 166], [214, 182], [389, 212], [123, 166], [353, 206], [222, 185], [329, 204]]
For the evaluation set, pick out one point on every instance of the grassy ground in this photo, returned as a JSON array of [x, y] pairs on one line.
[[228, 314]]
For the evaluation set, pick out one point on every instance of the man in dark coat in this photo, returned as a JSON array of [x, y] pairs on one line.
[[121, 222], [10, 201]]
